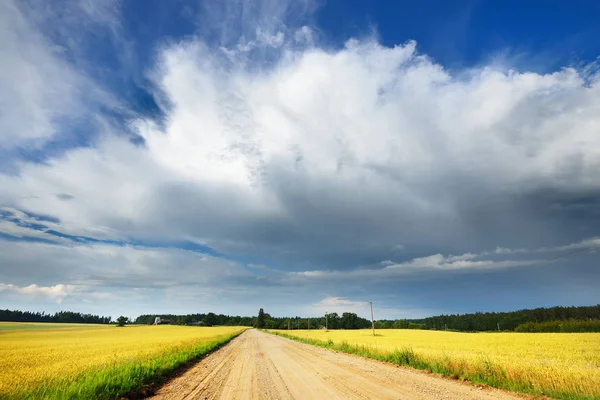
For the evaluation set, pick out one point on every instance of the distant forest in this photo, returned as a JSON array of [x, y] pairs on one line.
[[580, 319], [61, 317], [209, 319], [334, 321], [555, 319], [509, 321]]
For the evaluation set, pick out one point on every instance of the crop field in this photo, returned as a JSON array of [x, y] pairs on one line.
[[95, 361], [11, 326], [561, 365]]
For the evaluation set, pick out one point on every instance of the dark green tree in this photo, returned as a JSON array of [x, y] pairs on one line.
[[260, 322], [350, 321], [121, 321], [210, 319]]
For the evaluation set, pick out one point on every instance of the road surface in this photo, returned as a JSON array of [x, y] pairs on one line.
[[258, 365]]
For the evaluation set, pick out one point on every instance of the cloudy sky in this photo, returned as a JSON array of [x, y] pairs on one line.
[[300, 156]]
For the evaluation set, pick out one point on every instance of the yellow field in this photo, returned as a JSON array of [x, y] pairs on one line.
[[552, 363], [32, 357]]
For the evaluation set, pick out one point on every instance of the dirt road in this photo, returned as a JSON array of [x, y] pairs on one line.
[[258, 365]]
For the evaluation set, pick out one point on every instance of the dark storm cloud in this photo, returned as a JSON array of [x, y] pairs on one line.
[[65, 196]]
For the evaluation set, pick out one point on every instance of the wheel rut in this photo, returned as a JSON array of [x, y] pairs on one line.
[[258, 365]]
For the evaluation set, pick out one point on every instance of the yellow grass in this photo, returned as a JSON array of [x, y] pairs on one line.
[[546, 362], [31, 356]]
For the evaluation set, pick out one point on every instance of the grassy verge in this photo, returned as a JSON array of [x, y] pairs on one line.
[[479, 372], [133, 379]]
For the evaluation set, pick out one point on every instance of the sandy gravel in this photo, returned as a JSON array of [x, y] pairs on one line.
[[258, 365]]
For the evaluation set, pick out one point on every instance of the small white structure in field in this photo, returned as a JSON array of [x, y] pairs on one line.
[[156, 321]]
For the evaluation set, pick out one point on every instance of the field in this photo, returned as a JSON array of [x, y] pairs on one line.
[[95, 361], [561, 365]]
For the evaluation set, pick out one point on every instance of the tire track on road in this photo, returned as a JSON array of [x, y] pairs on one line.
[[258, 365]]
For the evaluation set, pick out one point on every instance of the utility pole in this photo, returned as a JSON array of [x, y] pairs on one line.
[[326, 328], [372, 320]]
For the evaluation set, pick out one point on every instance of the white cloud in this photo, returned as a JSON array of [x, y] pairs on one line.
[[468, 260], [324, 158], [465, 261], [367, 128], [311, 274], [54, 293], [41, 92], [504, 250], [581, 245], [463, 257], [106, 265], [304, 35], [340, 305], [32, 78], [122, 277], [440, 262]]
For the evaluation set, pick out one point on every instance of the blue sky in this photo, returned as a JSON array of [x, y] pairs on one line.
[[459, 34], [431, 157]]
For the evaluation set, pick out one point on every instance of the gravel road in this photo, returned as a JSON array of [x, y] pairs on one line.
[[258, 365]]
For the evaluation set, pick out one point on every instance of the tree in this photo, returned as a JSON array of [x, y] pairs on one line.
[[210, 319], [260, 322], [333, 320], [271, 324], [350, 321], [121, 321]]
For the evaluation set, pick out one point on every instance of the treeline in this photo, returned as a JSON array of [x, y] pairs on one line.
[[209, 319], [58, 317], [509, 321], [330, 321], [571, 325], [555, 319], [400, 324]]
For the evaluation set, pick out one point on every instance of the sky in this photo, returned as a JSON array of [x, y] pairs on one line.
[[300, 156]]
